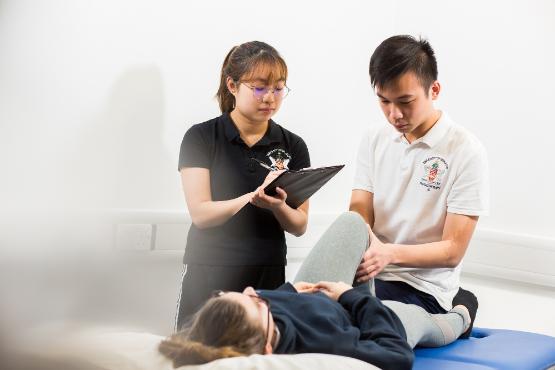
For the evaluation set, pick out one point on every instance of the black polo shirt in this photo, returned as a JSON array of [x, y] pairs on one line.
[[253, 236]]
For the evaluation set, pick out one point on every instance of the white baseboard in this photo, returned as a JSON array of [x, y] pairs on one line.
[[512, 256], [492, 253]]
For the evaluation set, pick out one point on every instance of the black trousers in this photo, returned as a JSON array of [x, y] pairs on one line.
[[199, 281], [402, 292]]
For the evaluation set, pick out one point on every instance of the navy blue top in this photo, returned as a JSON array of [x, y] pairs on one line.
[[357, 326]]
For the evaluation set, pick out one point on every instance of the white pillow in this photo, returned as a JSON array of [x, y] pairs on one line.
[[139, 351]]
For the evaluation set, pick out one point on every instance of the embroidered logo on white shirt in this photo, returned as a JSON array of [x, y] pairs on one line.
[[434, 169]]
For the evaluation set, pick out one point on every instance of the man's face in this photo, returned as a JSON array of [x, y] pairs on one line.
[[407, 106]]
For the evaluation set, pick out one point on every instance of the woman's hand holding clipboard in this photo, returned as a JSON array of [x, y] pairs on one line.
[[300, 184]]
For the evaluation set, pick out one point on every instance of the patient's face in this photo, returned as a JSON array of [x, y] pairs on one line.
[[256, 307], [253, 308]]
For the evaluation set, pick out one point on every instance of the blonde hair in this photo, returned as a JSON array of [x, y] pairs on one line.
[[220, 329]]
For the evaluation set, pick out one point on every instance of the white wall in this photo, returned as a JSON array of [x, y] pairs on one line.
[[96, 96]]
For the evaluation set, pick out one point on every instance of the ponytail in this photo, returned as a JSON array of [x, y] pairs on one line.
[[225, 97], [183, 352]]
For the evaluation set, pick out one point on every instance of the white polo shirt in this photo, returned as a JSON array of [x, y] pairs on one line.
[[415, 185]]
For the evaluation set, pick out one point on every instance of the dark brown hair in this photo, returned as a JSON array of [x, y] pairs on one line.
[[401, 54], [242, 62], [221, 328]]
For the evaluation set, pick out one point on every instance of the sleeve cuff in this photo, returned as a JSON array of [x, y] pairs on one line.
[[468, 212], [368, 188], [348, 298], [287, 287]]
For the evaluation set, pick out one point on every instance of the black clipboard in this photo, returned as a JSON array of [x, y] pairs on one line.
[[300, 185]]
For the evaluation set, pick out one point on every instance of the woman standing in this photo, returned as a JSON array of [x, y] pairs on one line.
[[237, 234]]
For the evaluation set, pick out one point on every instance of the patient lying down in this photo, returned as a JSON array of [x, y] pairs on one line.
[[326, 317]]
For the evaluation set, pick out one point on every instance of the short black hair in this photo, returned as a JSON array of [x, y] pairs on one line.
[[400, 54]]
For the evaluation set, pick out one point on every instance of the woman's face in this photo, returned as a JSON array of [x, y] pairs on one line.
[[256, 98]]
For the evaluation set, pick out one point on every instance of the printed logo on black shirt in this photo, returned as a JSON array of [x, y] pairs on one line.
[[279, 158]]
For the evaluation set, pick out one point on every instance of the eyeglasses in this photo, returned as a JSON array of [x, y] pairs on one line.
[[258, 300], [260, 92]]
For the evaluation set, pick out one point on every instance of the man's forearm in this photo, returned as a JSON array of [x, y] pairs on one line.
[[429, 255]]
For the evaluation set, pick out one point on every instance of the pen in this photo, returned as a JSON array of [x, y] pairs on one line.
[[262, 164]]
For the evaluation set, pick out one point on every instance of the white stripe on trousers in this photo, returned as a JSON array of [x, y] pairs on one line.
[[179, 298]]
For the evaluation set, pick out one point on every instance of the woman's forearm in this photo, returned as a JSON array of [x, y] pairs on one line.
[[292, 220], [214, 213]]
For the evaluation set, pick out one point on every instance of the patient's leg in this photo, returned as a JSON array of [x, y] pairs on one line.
[[430, 330], [337, 254]]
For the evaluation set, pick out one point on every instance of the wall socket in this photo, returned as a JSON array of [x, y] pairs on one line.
[[136, 237]]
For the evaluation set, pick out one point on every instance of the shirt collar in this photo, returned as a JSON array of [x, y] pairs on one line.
[[433, 136], [272, 135], [231, 132]]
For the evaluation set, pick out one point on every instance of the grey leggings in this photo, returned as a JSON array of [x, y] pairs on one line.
[[336, 256]]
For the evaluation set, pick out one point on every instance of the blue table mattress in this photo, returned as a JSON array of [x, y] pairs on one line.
[[489, 349]]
